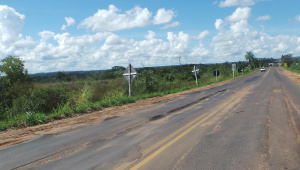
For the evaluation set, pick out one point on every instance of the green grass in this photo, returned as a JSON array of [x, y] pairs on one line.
[[294, 69], [114, 99]]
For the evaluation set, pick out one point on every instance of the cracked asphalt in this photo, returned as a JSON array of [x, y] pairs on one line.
[[252, 123]]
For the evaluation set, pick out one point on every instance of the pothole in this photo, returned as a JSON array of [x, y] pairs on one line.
[[156, 117]]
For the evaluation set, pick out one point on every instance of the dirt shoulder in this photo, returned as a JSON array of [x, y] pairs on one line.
[[15, 136], [293, 76]]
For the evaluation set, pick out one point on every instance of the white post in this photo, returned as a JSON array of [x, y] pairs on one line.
[[129, 71], [195, 71], [196, 78]]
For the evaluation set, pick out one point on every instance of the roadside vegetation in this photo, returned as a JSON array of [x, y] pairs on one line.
[[292, 63], [30, 100]]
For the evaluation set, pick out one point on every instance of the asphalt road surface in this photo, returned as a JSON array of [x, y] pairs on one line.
[[250, 123]]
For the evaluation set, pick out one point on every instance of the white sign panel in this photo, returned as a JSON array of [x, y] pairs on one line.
[[233, 67]]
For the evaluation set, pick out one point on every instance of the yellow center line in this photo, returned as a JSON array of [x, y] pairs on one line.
[[152, 148], [153, 155]]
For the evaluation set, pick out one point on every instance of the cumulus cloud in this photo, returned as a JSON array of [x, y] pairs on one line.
[[11, 41], [239, 14], [230, 3], [202, 35], [174, 24], [162, 16], [199, 51], [231, 44], [219, 24], [102, 50], [150, 35], [70, 21], [45, 35], [113, 20], [263, 18], [11, 23]]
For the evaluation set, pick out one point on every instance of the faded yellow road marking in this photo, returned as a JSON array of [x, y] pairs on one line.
[[153, 155]]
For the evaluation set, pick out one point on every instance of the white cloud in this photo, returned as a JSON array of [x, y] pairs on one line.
[[280, 48], [113, 20], [232, 43], [45, 35], [239, 14], [162, 16], [11, 41], [230, 3], [11, 23], [69, 21], [263, 18], [201, 35], [199, 51], [219, 24], [63, 27], [102, 50], [178, 43], [150, 35], [174, 24]]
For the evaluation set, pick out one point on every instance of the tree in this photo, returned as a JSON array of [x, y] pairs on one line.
[[15, 81], [287, 59], [250, 57], [61, 76], [14, 70]]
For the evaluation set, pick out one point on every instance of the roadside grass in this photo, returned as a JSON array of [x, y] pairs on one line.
[[114, 97], [293, 68]]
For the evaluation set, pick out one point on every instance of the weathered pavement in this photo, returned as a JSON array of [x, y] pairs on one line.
[[251, 123]]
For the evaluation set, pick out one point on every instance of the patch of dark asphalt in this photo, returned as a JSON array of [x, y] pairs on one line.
[[156, 117], [195, 102], [253, 79], [109, 118]]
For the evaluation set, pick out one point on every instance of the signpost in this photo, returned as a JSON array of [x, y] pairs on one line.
[[216, 73], [130, 75], [233, 69], [196, 71]]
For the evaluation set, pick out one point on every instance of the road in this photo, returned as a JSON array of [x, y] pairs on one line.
[[252, 123]]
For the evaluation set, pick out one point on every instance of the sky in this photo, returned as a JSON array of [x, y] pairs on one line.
[[76, 35]]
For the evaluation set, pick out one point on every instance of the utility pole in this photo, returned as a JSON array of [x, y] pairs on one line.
[[179, 60]]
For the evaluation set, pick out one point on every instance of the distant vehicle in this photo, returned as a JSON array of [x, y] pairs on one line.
[[262, 69]]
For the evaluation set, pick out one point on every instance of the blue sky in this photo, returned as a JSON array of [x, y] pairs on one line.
[[74, 35]]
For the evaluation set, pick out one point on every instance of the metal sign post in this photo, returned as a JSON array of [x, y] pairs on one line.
[[196, 71], [130, 75], [216, 73], [233, 69]]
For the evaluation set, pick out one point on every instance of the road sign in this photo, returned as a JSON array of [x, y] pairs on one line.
[[130, 75], [233, 69], [216, 73], [196, 71]]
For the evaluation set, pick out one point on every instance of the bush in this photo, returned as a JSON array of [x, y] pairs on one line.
[[48, 98]]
